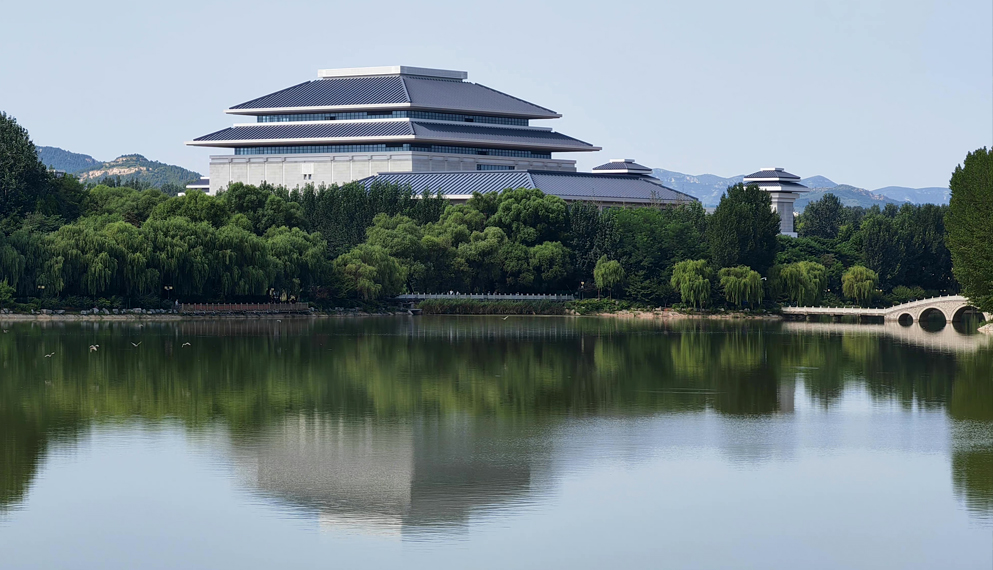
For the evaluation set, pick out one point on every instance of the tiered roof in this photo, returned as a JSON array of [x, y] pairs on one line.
[[395, 131], [775, 178], [384, 90]]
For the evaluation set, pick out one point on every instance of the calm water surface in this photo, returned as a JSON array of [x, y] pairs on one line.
[[489, 443]]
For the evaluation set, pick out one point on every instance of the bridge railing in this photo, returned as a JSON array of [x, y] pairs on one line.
[[242, 308], [485, 296]]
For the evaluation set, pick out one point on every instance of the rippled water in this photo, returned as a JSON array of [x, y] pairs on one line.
[[490, 443]]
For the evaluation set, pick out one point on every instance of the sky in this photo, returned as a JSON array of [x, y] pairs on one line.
[[869, 93]]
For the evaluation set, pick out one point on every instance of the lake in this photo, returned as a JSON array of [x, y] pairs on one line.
[[484, 442]]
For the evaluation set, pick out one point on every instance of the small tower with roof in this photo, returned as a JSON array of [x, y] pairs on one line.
[[784, 188]]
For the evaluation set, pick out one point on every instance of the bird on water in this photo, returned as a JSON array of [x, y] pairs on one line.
[[94, 347], [49, 355], [186, 344], [135, 345]]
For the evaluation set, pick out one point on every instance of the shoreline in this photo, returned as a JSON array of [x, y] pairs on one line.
[[664, 315], [673, 315]]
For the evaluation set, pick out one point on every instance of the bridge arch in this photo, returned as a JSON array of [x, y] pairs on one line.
[[905, 319], [931, 312], [960, 312]]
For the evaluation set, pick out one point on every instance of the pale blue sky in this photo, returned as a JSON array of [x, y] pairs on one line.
[[869, 93]]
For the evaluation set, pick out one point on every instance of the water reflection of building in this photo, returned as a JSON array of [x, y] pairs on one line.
[[389, 477]]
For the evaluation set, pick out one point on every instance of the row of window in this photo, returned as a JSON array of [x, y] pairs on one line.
[[393, 115], [493, 167], [331, 148]]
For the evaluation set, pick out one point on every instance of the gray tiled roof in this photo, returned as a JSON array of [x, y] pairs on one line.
[[465, 96], [334, 92], [622, 166], [457, 183], [411, 92], [773, 174], [496, 135], [571, 186], [426, 131], [199, 183], [608, 187], [270, 131]]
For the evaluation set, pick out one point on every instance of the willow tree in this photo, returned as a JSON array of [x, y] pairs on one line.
[[741, 285], [692, 279], [803, 281], [858, 283], [607, 274]]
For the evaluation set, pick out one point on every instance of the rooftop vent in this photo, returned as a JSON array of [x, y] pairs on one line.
[[391, 70]]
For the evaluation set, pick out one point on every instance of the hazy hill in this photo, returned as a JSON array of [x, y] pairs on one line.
[[71, 162], [137, 167], [849, 196], [930, 195], [709, 188]]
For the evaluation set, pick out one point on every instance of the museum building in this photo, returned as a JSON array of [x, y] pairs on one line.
[[429, 128]]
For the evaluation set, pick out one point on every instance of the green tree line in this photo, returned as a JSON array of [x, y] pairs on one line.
[[68, 243]]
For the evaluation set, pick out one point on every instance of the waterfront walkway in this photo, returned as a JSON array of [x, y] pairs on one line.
[[243, 308], [952, 307], [484, 297]]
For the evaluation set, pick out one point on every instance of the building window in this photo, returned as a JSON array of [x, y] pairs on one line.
[[441, 149], [493, 167], [427, 115]]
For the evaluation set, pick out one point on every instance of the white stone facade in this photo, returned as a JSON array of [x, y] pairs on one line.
[[298, 170], [782, 202]]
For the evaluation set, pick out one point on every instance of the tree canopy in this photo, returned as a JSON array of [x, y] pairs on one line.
[[969, 221], [743, 229]]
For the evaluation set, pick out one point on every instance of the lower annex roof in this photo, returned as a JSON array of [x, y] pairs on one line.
[[570, 186]]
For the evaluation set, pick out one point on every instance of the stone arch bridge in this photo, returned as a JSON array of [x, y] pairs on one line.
[[952, 307]]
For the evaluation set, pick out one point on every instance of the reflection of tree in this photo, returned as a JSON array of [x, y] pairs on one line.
[[971, 405], [254, 374]]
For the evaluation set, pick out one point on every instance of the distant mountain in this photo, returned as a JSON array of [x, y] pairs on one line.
[[849, 196], [137, 167], [930, 195], [818, 182], [709, 188], [71, 162]]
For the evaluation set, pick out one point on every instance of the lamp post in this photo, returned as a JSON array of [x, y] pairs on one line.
[[168, 290], [41, 290], [582, 289]]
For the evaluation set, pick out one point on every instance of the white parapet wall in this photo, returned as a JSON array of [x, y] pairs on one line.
[[298, 170]]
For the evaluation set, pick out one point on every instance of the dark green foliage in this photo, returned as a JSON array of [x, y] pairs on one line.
[[648, 242], [528, 216], [26, 185], [587, 231], [970, 227], [22, 176], [124, 239], [342, 213], [743, 229], [882, 250], [822, 218]]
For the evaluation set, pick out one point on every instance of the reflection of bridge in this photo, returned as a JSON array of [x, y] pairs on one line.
[[952, 307], [946, 340]]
